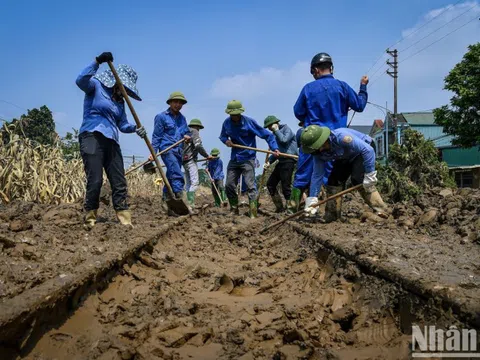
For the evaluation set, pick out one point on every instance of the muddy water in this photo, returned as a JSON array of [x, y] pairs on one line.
[[217, 290]]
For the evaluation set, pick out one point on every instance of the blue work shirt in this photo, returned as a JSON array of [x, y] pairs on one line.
[[244, 133], [344, 144], [326, 101], [215, 168], [168, 129], [304, 171], [100, 112], [287, 142]]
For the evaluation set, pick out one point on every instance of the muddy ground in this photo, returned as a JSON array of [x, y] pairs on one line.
[[214, 288]]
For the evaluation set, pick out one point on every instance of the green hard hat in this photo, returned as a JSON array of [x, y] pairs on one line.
[[313, 137], [234, 107], [270, 120], [215, 152], [196, 122], [177, 95]]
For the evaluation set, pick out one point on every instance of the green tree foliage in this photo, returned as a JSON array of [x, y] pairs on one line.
[[203, 178], [37, 125], [462, 117], [70, 145], [413, 167]]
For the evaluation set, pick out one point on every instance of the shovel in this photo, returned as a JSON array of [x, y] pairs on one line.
[[301, 212], [177, 205], [264, 151], [158, 154], [215, 187]]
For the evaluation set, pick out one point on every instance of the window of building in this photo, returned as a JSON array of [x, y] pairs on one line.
[[464, 179]]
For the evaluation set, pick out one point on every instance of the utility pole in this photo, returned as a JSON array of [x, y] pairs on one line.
[[394, 74]]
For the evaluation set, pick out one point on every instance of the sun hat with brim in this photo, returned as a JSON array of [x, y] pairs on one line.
[[234, 107], [127, 75], [270, 120], [196, 122], [215, 152], [313, 137], [177, 95]]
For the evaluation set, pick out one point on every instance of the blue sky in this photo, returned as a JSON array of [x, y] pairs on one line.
[[214, 51]]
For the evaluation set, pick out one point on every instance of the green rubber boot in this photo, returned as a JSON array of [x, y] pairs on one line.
[[252, 209], [218, 202], [234, 205], [191, 198], [294, 201], [278, 202]]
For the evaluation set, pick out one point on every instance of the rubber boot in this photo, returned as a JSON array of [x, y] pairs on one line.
[[223, 195], [294, 202], [125, 217], [333, 208], [375, 201], [90, 219], [278, 202], [252, 213], [191, 198], [185, 197], [218, 202], [234, 206]]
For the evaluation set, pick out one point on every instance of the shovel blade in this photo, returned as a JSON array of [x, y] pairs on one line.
[[178, 206]]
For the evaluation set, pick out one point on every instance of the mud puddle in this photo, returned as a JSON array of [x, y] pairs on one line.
[[216, 290]]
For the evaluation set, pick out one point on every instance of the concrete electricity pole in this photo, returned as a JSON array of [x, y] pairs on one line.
[[394, 73]]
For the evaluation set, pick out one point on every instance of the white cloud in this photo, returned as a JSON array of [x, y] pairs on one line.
[[420, 77]]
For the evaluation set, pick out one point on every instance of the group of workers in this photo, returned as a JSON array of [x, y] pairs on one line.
[[324, 152]]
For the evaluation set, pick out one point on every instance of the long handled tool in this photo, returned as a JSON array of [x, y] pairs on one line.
[[264, 151], [262, 180], [158, 154], [215, 187], [301, 212], [177, 205]]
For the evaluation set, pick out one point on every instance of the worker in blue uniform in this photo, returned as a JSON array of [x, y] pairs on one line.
[[215, 168], [103, 116], [326, 102], [243, 130], [171, 126], [354, 157]]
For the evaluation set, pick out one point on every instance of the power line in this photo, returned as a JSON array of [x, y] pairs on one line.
[[413, 32], [436, 41], [10, 103], [423, 38]]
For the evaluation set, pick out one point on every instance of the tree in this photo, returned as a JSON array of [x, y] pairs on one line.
[[462, 117], [70, 145], [37, 125]]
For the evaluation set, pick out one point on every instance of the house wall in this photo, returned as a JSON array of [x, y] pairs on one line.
[[429, 132], [467, 177], [461, 157]]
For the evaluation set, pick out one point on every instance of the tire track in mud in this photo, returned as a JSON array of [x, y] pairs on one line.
[[214, 289]]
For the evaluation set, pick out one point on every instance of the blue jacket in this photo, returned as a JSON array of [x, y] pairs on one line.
[[326, 101], [215, 168], [304, 171], [345, 144], [100, 112], [286, 140], [244, 133], [167, 130]]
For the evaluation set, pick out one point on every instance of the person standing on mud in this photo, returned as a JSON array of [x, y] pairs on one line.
[[283, 171], [170, 126], [326, 102], [190, 157], [354, 156], [103, 115], [243, 130], [215, 168], [303, 175]]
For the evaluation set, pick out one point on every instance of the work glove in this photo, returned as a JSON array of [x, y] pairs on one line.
[[309, 210], [369, 181], [274, 127], [266, 166], [104, 57], [141, 132]]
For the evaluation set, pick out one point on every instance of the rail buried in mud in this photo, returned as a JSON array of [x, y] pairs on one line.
[[214, 289], [27, 316]]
